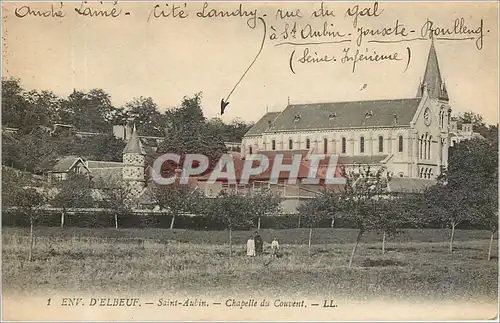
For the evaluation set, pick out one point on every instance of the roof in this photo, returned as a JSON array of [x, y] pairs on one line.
[[66, 163], [287, 160], [409, 185], [263, 124], [432, 77], [362, 160], [107, 177], [134, 145], [351, 114], [103, 164]]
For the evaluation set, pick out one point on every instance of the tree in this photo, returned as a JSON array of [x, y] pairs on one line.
[[323, 206], [232, 132], [37, 151], [114, 194], [362, 192], [472, 172], [105, 147], [234, 210], [29, 201], [476, 120], [486, 208], [177, 199], [263, 203], [391, 213], [148, 120], [73, 192], [13, 103], [448, 205], [89, 111], [27, 110], [188, 133]]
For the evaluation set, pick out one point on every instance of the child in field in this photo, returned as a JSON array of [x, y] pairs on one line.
[[251, 247], [275, 246]]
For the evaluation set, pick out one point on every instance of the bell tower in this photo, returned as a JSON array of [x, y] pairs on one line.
[[134, 158], [436, 89]]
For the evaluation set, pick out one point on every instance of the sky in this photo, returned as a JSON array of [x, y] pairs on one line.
[[168, 58]]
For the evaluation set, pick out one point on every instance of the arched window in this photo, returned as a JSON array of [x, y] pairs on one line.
[[344, 145], [429, 147], [290, 144], [250, 149], [273, 145], [362, 144], [325, 145], [400, 144], [308, 143], [420, 155], [380, 144]]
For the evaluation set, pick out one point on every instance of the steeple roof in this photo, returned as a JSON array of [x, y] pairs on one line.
[[432, 78], [134, 145]]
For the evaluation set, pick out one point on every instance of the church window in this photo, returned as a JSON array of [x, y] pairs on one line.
[[429, 148], [273, 145], [380, 144], [344, 145], [362, 144], [250, 149], [325, 145], [308, 143], [290, 144], [400, 144]]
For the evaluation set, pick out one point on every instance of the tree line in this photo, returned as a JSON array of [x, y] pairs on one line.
[[466, 191], [35, 147]]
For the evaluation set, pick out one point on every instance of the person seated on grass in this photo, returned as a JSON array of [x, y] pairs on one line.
[[251, 247], [259, 244], [275, 247]]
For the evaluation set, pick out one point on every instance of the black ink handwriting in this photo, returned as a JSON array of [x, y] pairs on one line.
[[206, 12], [322, 12], [429, 30], [225, 102], [360, 57], [357, 12], [24, 11], [288, 14], [90, 12], [398, 30], [173, 11]]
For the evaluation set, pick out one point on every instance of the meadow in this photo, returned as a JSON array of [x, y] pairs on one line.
[[417, 263]]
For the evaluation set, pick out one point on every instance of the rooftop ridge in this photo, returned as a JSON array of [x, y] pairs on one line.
[[350, 101]]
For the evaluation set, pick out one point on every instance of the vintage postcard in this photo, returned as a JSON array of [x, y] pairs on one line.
[[249, 161]]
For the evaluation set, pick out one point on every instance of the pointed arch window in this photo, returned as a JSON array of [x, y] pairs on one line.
[[290, 144], [250, 149], [429, 147], [362, 144], [308, 143], [344, 145], [325, 145], [380, 144], [273, 145]]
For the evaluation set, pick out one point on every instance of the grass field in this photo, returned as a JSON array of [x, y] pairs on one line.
[[417, 263]]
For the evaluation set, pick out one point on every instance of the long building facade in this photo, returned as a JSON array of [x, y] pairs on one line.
[[410, 136]]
